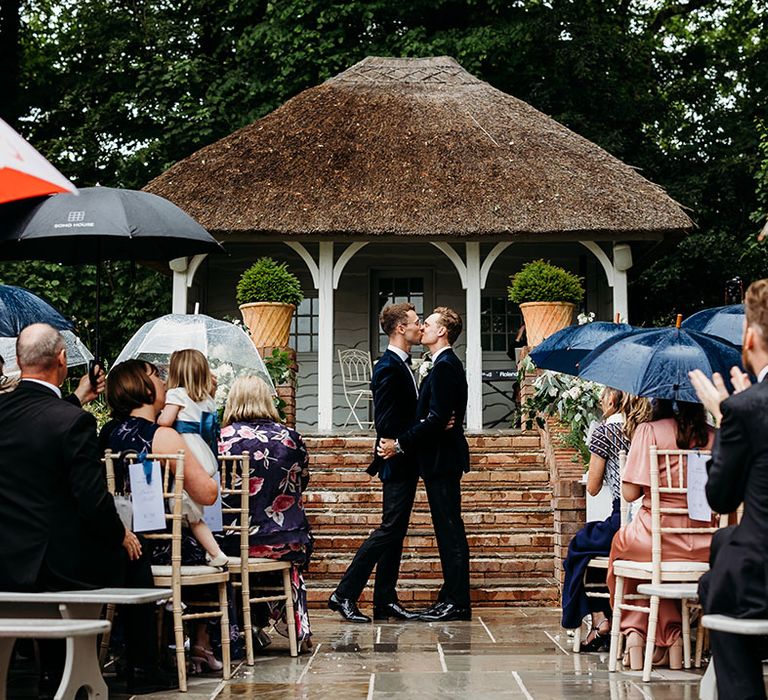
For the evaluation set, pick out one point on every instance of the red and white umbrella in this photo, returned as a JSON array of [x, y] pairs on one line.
[[24, 172]]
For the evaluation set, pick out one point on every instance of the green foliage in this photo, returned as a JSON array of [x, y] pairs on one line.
[[267, 280], [542, 281], [281, 367], [130, 296], [574, 401], [115, 91]]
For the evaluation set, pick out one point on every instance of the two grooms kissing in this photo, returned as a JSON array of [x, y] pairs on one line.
[[419, 433]]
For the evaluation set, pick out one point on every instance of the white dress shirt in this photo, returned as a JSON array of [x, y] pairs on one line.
[[403, 355], [50, 386]]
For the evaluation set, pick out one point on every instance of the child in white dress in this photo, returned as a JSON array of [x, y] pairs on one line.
[[191, 410]]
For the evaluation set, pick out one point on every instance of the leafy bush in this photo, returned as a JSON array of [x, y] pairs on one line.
[[267, 280], [281, 367], [542, 281]]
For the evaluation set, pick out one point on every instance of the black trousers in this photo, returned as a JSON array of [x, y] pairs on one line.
[[384, 547], [738, 658], [444, 495], [138, 620]]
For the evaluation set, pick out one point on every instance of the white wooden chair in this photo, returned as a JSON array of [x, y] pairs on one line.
[[178, 576], [599, 589], [234, 471], [659, 570], [356, 370]]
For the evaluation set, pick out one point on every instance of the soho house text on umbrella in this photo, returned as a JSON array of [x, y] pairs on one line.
[[102, 223]]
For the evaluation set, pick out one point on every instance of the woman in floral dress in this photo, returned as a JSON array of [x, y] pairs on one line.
[[279, 474]]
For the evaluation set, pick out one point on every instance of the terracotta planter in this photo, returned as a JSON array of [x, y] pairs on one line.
[[543, 318], [268, 322]]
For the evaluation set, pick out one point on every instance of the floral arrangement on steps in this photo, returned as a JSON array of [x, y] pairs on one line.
[[547, 295], [574, 401]]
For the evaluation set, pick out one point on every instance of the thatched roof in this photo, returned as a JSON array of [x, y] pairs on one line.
[[414, 147]]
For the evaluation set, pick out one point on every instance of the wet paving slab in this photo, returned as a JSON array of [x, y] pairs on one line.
[[501, 653]]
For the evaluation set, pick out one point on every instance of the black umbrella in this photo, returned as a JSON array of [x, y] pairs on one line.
[[102, 223]]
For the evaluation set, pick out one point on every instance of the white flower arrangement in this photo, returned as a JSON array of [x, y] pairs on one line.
[[225, 377]]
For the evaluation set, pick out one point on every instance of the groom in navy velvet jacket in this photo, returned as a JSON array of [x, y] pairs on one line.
[[394, 410]]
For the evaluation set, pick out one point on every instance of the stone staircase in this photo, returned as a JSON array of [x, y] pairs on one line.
[[507, 506]]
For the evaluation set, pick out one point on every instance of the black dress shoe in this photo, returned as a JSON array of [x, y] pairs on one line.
[[447, 612], [395, 610], [141, 681], [347, 609]]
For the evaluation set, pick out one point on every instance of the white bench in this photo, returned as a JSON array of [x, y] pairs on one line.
[[76, 674], [82, 667], [732, 625]]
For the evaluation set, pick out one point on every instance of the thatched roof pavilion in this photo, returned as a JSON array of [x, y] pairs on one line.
[[414, 150], [414, 147]]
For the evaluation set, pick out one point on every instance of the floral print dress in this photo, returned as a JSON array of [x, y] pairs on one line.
[[279, 473]]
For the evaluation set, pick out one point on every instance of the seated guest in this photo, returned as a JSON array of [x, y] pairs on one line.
[[683, 427], [737, 583], [622, 414], [279, 474], [60, 527], [136, 395]]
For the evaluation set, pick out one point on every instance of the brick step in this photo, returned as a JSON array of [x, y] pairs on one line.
[[485, 498], [359, 455], [325, 478], [421, 592], [415, 565], [517, 542], [366, 519], [480, 443]]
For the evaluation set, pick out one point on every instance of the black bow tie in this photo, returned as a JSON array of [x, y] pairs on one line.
[[408, 360]]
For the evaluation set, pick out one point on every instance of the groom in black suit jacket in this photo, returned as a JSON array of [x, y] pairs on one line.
[[442, 454], [737, 582], [394, 410]]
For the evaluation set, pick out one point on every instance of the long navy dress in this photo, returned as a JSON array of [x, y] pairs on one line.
[[594, 539]]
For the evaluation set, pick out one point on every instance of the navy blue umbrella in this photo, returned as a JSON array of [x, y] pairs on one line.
[[655, 362], [725, 322], [563, 351], [19, 308]]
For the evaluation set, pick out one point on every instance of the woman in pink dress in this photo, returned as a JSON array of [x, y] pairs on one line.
[[683, 428]]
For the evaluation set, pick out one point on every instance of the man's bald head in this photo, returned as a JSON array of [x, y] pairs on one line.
[[38, 348]]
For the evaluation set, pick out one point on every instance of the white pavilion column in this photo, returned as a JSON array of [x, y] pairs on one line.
[[474, 352], [325, 338], [184, 270], [179, 302], [622, 261]]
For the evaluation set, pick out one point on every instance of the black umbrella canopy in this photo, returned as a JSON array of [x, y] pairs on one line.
[[102, 223]]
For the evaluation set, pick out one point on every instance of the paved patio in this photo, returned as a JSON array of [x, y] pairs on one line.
[[507, 653]]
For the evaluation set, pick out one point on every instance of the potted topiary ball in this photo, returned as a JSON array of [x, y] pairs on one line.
[[547, 296], [268, 294]]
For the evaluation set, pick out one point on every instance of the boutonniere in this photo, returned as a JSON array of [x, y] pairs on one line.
[[424, 368]]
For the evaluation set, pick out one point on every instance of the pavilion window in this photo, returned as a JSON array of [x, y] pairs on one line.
[[499, 321], [304, 326], [395, 288]]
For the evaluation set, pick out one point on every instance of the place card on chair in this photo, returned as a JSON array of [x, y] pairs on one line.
[[698, 507], [147, 495]]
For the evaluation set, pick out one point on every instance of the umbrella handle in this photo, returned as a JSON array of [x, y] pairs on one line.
[[94, 367]]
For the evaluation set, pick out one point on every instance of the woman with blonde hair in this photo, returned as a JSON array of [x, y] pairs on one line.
[[622, 413], [279, 474]]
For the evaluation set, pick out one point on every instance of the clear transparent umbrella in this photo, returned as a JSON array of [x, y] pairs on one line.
[[77, 353], [228, 348]]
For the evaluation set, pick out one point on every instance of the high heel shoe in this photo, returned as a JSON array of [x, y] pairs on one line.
[[671, 657], [202, 656], [635, 649], [220, 560], [601, 639]]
